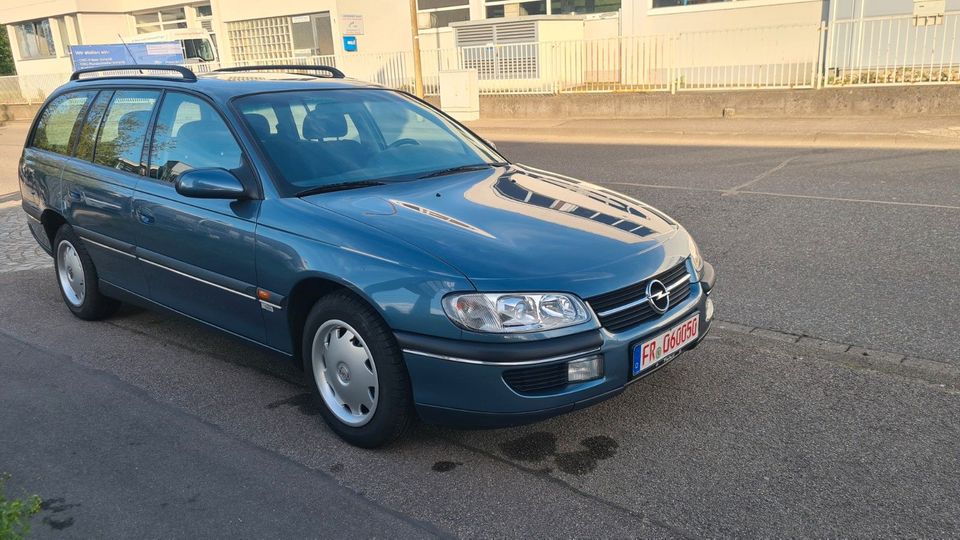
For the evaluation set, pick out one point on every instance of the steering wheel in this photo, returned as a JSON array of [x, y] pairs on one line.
[[403, 142]]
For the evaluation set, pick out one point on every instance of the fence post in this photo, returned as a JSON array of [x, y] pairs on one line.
[[671, 71], [820, 64]]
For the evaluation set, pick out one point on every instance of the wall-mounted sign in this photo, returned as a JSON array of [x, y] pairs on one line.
[[115, 54], [928, 12], [350, 43], [351, 25], [300, 19]]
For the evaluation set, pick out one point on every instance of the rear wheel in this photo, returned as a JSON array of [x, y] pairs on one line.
[[357, 372], [77, 278]]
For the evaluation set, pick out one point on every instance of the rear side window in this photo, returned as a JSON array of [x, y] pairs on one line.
[[190, 135], [88, 133], [58, 121], [124, 129]]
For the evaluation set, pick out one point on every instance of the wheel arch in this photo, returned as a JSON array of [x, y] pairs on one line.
[[52, 221], [301, 299]]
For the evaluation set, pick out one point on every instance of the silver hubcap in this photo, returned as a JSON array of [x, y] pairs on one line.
[[70, 272], [345, 373]]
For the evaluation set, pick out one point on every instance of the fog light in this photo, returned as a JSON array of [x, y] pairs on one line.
[[585, 369], [709, 309]]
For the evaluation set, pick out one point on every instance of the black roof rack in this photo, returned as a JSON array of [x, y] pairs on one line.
[[185, 73], [336, 73]]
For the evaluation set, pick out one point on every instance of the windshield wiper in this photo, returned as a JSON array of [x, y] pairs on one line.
[[338, 187], [462, 168]]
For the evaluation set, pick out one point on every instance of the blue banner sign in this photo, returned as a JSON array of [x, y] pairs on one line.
[[115, 54]]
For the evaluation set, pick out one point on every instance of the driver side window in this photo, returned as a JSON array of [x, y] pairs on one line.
[[190, 134]]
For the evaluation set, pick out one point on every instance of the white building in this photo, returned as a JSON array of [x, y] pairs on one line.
[[532, 46]]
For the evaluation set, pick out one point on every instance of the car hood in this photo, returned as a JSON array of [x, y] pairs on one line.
[[516, 227]]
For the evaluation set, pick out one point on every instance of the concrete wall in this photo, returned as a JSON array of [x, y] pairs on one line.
[[714, 41], [104, 27], [639, 18], [386, 25], [941, 100], [871, 101], [604, 27]]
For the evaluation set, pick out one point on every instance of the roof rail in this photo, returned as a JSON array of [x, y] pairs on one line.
[[185, 73], [336, 73]]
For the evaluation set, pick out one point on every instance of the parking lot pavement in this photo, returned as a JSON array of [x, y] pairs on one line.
[[18, 249], [853, 246], [765, 430], [157, 472], [745, 436]]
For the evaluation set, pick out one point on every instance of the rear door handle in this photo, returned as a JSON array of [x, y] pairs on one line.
[[76, 195], [144, 216]]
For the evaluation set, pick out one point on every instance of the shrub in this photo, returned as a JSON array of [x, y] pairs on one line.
[[15, 514]]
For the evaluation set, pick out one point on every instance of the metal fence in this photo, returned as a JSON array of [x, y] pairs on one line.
[[769, 57], [894, 50], [25, 89], [878, 50]]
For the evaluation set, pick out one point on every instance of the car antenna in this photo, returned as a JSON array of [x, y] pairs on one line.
[[127, 47]]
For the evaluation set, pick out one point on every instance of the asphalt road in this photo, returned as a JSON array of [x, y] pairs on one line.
[[856, 246], [147, 425]]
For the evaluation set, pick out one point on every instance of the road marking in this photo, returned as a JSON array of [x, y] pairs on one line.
[[761, 176], [787, 195]]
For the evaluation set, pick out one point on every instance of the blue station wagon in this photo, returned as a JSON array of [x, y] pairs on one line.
[[406, 265]]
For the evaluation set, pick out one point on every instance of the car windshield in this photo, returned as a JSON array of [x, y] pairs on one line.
[[322, 138], [199, 49]]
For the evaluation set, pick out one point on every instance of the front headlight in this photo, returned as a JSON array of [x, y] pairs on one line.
[[695, 257], [505, 313]]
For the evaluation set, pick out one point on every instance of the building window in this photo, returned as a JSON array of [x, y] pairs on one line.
[[440, 13], [578, 7], [674, 3], [164, 19], [35, 39], [513, 8], [499, 8], [282, 38]]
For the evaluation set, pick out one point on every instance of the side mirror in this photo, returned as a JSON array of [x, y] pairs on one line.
[[210, 184]]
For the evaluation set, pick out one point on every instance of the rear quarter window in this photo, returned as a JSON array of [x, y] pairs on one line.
[[58, 121]]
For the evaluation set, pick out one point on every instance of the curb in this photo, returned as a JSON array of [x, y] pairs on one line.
[[10, 197], [933, 371], [726, 138]]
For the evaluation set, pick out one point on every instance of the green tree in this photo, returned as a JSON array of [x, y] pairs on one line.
[[6, 56]]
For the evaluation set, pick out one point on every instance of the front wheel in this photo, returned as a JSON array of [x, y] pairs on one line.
[[77, 278], [357, 372]]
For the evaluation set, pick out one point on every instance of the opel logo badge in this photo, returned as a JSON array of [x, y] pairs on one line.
[[344, 373], [658, 296]]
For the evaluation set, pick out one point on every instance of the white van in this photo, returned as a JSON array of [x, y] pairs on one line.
[[196, 44]]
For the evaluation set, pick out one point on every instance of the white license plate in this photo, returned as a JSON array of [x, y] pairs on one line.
[[665, 345]]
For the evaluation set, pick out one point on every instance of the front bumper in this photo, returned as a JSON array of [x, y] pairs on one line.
[[462, 383]]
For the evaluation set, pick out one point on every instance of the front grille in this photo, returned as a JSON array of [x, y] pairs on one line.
[[537, 379], [609, 307]]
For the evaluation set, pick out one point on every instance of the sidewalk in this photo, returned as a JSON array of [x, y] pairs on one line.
[[935, 132]]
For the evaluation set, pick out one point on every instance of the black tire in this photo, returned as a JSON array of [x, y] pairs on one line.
[[394, 410], [94, 305]]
